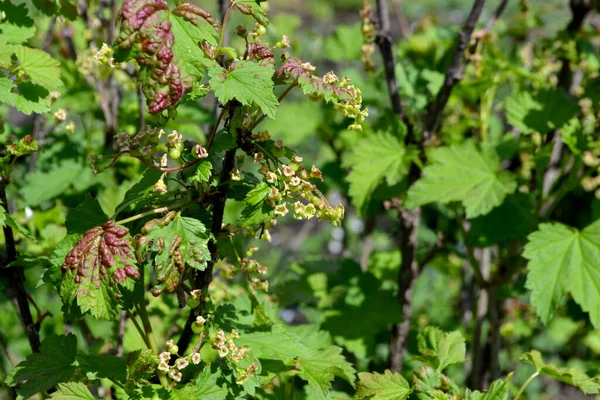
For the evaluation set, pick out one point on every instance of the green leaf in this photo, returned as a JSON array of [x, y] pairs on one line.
[[28, 97], [258, 194], [42, 186], [72, 391], [103, 366], [275, 344], [41, 68], [386, 386], [173, 240], [498, 390], [85, 216], [344, 44], [441, 349], [203, 172], [513, 219], [571, 376], [207, 385], [463, 173], [541, 112], [141, 365], [41, 371], [187, 54], [375, 158], [248, 82], [561, 260], [320, 367], [16, 26]]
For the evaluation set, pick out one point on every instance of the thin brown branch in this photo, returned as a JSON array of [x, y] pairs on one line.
[[407, 278], [203, 279], [497, 13], [16, 278], [401, 18], [454, 73], [384, 42], [169, 169]]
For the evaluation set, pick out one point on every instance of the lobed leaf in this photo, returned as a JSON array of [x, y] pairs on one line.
[[561, 260], [386, 386], [93, 270], [441, 349], [375, 158], [463, 173], [247, 82], [167, 47], [174, 241], [72, 391], [41, 371], [571, 376]]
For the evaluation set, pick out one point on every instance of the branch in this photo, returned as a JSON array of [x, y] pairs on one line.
[[407, 278], [384, 42], [497, 13], [203, 278], [17, 280], [579, 10], [409, 219], [454, 74]]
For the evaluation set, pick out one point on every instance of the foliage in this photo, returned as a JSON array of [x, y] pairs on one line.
[[191, 209]]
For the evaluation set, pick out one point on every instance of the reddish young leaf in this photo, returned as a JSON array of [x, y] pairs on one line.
[[102, 258]]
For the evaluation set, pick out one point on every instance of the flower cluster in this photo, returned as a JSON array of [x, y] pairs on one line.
[[369, 32], [180, 363], [227, 348], [290, 184], [592, 183], [141, 144], [345, 97]]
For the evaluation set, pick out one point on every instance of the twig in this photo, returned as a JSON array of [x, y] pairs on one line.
[[281, 97], [497, 13], [401, 18], [214, 129], [17, 280], [454, 74], [170, 169]]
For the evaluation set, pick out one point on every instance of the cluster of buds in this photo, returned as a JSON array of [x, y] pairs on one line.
[[369, 33], [227, 348], [104, 56], [252, 266], [180, 363], [352, 108], [141, 144], [259, 285], [291, 184]]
